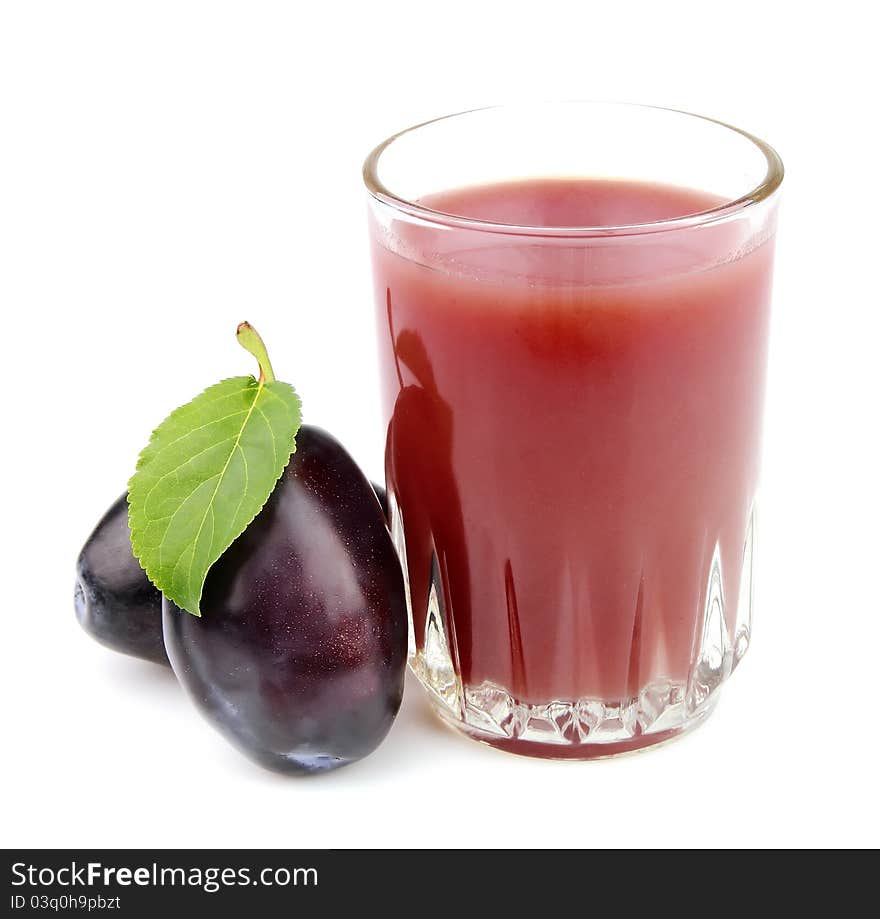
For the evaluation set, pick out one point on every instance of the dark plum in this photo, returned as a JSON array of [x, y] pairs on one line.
[[298, 657], [114, 601]]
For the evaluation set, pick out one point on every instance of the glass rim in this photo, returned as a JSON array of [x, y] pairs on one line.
[[764, 190]]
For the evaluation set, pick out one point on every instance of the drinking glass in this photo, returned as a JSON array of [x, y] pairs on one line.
[[572, 304]]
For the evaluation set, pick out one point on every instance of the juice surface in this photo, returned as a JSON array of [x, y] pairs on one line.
[[573, 430]]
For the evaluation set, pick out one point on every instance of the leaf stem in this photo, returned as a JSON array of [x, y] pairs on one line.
[[250, 340]]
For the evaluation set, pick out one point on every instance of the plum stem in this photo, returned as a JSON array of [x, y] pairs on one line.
[[250, 340]]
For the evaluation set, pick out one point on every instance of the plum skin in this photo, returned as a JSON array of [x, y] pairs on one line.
[[114, 601], [298, 657]]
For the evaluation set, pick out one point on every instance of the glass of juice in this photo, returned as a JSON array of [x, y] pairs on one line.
[[572, 305]]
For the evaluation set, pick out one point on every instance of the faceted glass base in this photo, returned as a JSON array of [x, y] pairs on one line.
[[586, 729]]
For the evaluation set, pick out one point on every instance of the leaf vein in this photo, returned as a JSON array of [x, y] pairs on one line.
[[200, 427], [244, 425], [180, 466]]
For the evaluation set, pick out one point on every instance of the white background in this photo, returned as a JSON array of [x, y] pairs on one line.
[[168, 169]]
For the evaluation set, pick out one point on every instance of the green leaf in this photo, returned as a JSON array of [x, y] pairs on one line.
[[207, 471]]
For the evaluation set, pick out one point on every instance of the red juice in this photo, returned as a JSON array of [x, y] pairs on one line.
[[572, 453]]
